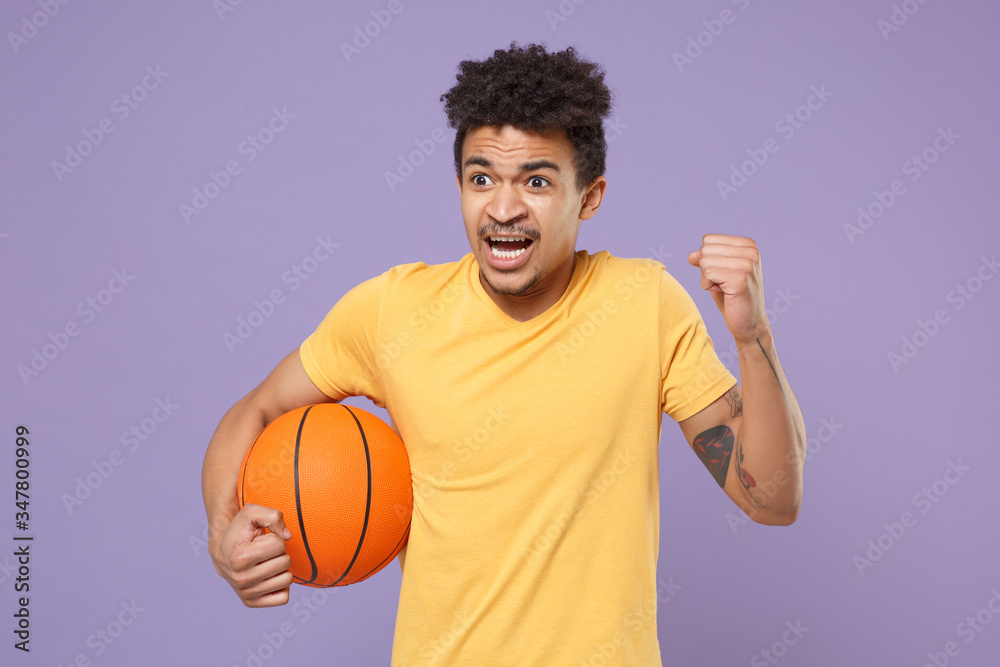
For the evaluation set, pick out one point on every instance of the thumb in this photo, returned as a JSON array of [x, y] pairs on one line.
[[268, 518], [278, 527], [694, 258]]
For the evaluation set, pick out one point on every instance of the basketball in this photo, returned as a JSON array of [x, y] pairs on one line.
[[341, 478]]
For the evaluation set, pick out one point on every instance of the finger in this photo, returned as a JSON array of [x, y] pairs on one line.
[[254, 574], [278, 527], [246, 555], [694, 257], [729, 281], [264, 587], [706, 282], [726, 239], [728, 262], [720, 270], [258, 516], [252, 581], [725, 250], [251, 577], [270, 593], [271, 600]]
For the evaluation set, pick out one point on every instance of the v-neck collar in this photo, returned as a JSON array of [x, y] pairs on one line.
[[582, 262]]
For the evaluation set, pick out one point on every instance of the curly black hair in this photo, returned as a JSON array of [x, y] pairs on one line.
[[534, 90]]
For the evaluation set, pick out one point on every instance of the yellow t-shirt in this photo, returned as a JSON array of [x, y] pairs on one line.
[[533, 450]]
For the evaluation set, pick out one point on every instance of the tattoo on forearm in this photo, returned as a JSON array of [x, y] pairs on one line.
[[802, 440], [735, 400], [714, 447], [746, 479]]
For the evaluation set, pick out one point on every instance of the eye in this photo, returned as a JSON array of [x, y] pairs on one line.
[[537, 182], [481, 180]]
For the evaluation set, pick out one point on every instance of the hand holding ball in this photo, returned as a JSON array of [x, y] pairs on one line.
[[341, 478]]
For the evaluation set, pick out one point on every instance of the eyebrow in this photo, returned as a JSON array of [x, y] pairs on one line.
[[527, 166]]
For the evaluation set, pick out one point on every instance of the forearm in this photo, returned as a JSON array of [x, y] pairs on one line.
[[770, 448], [237, 429]]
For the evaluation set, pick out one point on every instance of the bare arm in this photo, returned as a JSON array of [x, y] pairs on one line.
[[772, 439], [762, 433], [754, 444], [252, 560]]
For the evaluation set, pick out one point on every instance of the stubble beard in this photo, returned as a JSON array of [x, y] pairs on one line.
[[524, 290]]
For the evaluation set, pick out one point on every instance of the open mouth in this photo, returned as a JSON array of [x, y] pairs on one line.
[[508, 247]]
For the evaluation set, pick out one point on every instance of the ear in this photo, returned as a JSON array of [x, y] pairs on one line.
[[458, 179], [593, 197]]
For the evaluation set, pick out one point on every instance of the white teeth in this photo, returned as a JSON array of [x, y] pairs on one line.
[[507, 254]]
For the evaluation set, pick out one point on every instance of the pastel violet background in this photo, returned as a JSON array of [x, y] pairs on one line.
[[846, 300]]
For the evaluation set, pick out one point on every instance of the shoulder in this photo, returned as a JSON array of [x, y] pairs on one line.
[[404, 285], [418, 268], [417, 275], [407, 279], [603, 261], [626, 273], [630, 277]]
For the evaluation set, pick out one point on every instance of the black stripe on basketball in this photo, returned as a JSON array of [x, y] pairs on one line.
[[298, 499], [375, 569], [368, 505]]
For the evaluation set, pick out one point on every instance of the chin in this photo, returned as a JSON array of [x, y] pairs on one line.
[[511, 288]]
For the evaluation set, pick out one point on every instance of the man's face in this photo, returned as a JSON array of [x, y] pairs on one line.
[[522, 211]]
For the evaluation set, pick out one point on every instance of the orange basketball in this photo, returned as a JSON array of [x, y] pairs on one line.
[[341, 478]]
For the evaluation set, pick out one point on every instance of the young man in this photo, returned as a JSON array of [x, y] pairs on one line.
[[528, 381]]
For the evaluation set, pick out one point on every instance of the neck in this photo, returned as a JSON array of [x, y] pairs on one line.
[[523, 307]]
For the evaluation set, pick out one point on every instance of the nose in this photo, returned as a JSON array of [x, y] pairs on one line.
[[506, 206]]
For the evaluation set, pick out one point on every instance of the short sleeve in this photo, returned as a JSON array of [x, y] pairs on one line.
[[691, 375], [339, 356]]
